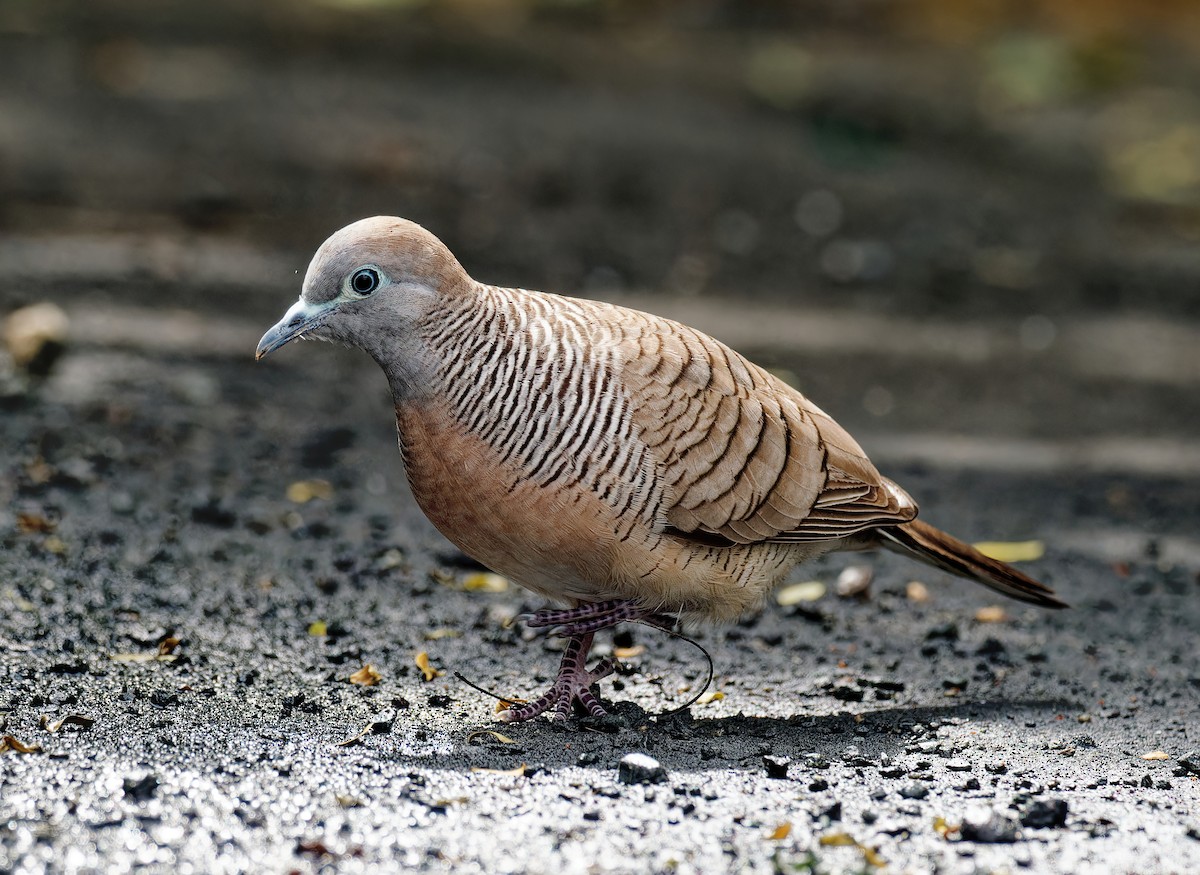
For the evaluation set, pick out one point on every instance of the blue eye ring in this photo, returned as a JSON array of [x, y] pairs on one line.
[[364, 281]]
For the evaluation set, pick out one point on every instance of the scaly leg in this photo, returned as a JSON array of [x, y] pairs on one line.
[[572, 684]]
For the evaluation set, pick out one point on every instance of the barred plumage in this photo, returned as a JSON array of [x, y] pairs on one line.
[[615, 460]]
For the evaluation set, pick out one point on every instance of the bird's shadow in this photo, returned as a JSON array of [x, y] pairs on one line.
[[683, 743]]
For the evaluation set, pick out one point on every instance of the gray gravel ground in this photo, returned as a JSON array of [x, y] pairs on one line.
[[145, 500]]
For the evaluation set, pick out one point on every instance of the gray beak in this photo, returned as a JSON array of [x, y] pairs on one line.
[[302, 317]]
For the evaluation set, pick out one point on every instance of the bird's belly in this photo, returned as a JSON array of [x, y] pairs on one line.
[[563, 543], [558, 543]]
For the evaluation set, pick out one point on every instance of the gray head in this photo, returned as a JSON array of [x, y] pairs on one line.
[[368, 285]]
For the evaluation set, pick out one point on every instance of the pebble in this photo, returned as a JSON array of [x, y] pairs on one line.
[[989, 827], [854, 582], [1190, 761], [958, 765], [639, 768], [914, 790], [141, 788], [1045, 814], [777, 767]]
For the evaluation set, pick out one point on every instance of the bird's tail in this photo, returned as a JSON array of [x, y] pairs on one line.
[[934, 547]]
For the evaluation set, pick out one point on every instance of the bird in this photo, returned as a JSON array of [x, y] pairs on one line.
[[620, 465]]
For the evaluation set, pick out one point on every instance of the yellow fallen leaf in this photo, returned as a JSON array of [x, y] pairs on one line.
[[54, 544], [422, 661], [518, 772], [838, 840], [1156, 755], [485, 581], [167, 646], [991, 614], [781, 832], [629, 652], [1012, 551], [844, 840], [304, 491], [916, 591], [367, 676], [796, 593], [872, 857], [503, 739], [505, 704], [8, 743], [439, 634], [942, 828], [318, 628], [710, 696]]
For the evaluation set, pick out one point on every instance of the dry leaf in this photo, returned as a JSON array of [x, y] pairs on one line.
[[1156, 755], [916, 591], [518, 772], [503, 739], [355, 739], [838, 840], [781, 832], [439, 634], [56, 545], [991, 614], [629, 652], [710, 696], [367, 676], [79, 720], [505, 704], [485, 581], [942, 828], [318, 628], [8, 743], [167, 646], [1012, 551], [808, 591], [34, 523], [422, 661], [304, 491], [845, 840]]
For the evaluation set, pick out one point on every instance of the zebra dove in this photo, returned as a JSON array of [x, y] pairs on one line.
[[623, 464]]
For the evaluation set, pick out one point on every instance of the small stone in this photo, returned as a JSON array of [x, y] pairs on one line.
[[988, 827], [958, 765], [777, 767], [1045, 814], [638, 768], [141, 788], [164, 698], [914, 790], [854, 582], [996, 767], [818, 785], [1190, 762]]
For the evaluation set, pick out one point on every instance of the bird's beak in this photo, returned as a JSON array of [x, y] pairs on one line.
[[300, 318]]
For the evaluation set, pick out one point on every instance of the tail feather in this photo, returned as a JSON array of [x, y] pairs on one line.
[[934, 547]]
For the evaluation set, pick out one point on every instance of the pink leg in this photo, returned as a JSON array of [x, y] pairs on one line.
[[570, 686]]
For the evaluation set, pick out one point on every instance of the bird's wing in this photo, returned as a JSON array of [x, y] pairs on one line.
[[743, 457]]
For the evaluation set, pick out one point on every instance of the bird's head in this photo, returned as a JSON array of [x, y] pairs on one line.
[[368, 285]]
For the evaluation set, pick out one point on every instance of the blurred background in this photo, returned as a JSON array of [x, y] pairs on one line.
[[969, 231]]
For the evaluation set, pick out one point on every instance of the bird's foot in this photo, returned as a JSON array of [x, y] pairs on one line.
[[585, 619], [572, 685]]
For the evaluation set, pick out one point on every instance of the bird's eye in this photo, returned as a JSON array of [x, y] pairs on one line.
[[364, 281]]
